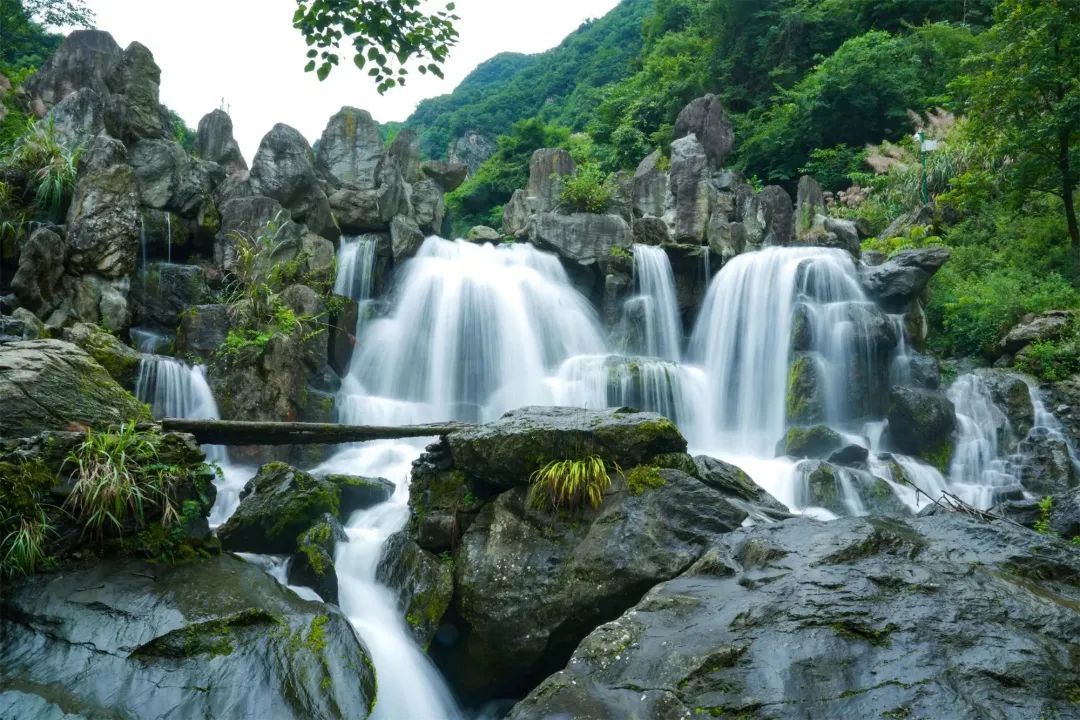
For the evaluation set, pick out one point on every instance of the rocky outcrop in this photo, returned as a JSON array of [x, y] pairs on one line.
[[215, 142], [284, 169], [903, 277], [201, 331], [41, 265], [706, 119], [50, 384], [164, 291], [583, 238], [853, 618], [85, 59], [471, 150], [170, 179], [423, 583], [845, 491], [312, 565], [132, 111], [351, 149], [1036, 328], [138, 639], [546, 168], [448, 175], [119, 360], [816, 441], [102, 231]]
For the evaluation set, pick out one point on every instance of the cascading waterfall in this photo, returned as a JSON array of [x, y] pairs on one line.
[[655, 306], [176, 390]]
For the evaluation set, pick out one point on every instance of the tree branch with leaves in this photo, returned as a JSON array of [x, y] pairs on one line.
[[386, 35]]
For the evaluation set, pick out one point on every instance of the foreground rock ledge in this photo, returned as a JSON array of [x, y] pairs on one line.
[[215, 639], [938, 617]]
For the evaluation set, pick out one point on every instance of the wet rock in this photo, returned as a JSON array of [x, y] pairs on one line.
[[853, 618], [85, 59], [925, 371], [1012, 396], [164, 291], [1036, 328], [138, 639], [215, 142], [428, 206], [726, 239], [103, 223], [850, 455], [447, 175], [816, 441], [705, 117], [360, 493], [351, 149], [54, 385], [312, 565], [737, 486], [41, 265], [21, 325], [1047, 468], [342, 341], [583, 238], [405, 237], [531, 585], [483, 234], [504, 453], [846, 491], [119, 360], [921, 423], [278, 504], [422, 582], [94, 299], [202, 330], [651, 231], [904, 276], [806, 390]]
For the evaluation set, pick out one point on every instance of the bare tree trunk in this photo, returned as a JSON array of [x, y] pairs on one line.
[[236, 432]]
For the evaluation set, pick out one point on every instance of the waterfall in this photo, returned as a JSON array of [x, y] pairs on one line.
[[978, 469], [475, 330], [655, 307], [742, 338], [356, 268], [177, 390]]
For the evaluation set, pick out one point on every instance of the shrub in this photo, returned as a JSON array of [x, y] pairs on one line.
[[24, 523], [588, 190], [570, 484], [22, 551], [50, 164], [119, 478]]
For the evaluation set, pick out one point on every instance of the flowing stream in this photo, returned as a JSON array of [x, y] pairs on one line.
[[472, 331]]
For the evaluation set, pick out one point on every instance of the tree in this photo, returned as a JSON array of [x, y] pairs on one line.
[[59, 13], [1024, 95], [381, 31]]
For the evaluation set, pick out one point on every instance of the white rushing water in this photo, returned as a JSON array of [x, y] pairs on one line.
[[655, 305]]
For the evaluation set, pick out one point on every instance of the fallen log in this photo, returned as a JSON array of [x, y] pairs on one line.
[[239, 432]]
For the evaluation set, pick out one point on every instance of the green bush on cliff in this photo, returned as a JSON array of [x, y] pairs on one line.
[[589, 190]]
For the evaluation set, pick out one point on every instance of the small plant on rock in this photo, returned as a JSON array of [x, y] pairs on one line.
[[51, 165], [22, 551], [589, 190], [118, 480], [571, 484]]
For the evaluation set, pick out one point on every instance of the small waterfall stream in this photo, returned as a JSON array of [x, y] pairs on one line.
[[655, 303]]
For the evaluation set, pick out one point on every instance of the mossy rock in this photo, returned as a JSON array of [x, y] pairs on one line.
[[277, 505], [506, 452], [312, 565], [824, 487], [805, 394], [423, 582], [361, 493], [55, 385], [922, 423], [816, 441]]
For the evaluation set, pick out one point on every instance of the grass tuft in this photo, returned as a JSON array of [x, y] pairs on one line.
[[571, 484]]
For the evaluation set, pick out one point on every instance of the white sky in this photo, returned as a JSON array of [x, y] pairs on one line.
[[247, 52]]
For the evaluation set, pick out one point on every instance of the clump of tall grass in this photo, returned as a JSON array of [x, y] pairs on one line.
[[119, 479], [52, 166], [22, 550], [570, 484]]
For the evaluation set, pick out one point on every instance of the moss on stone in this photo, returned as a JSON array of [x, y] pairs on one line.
[[643, 478]]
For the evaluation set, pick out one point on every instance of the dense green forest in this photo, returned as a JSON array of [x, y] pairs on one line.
[[833, 88]]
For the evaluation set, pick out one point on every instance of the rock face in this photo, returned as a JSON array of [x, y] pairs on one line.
[[164, 291], [854, 618], [583, 238], [103, 223], [201, 639], [41, 265], [119, 360], [504, 453], [423, 583], [85, 59], [706, 119], [284, 169], [471, 150], [904, 276], [54, 385], [546, 168]]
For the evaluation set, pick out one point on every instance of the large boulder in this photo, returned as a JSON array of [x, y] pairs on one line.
[[170, 179], [195, 639], [650, 187], [202, 330], [276, 506], [103, 223], [904, 276], [100, 153], [94, 299], [133, 112], [54, 385], [688, 205], [806, 389], [505, 453], [448, 175], [705, 117], [921, 423], [1036, 328], [422, 582], [815, 441], [845, 491], [164, 291], [284, 169], [943, 616], [312, 565], [351, 149], [530, 585], [215, 142], [119, 360], [78, 118], [547, 167], [41, 265], [85, 59], [582, 238], [1046, 463]]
